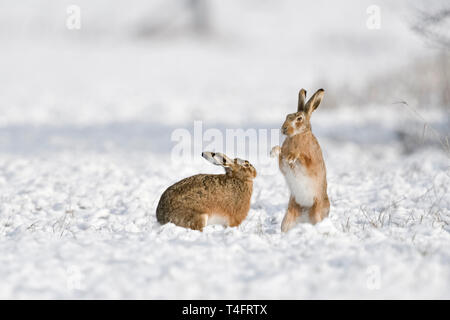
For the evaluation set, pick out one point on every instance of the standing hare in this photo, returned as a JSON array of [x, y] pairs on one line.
[[204, 199], [301, 162]]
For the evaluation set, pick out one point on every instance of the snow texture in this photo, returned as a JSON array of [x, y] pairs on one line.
[[81, 224]]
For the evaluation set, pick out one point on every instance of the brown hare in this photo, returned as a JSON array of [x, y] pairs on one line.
[[301, 162], [204, 199]]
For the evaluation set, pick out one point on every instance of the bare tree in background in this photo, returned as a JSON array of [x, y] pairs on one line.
[[177, 17], [433, 25], [200, 15]]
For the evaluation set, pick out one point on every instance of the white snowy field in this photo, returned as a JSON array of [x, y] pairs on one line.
[[85, 152], [79, 222]]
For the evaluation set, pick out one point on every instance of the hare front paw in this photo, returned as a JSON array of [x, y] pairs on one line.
[[290, 158], [275, 152]]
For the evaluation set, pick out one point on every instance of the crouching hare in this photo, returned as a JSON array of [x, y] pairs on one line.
[[206, 199], [301, 162]]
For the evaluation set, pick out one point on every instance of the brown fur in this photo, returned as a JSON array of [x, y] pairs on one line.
[[301, 148], [192, 201]]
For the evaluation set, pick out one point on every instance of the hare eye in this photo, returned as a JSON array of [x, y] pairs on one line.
[[299, 118]]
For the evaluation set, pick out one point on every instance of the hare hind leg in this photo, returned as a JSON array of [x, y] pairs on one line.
[[198, 221], [293, 213], [319, 210], [190, 219]]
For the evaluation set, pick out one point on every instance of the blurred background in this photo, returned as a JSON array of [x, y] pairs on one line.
[[235, 63]]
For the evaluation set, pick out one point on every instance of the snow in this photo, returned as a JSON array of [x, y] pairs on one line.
[[86, 152], [88, 217]]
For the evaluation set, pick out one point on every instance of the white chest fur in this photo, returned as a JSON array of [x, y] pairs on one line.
[[217, 219], [299, 183]]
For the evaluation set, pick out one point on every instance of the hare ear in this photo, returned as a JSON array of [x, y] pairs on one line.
[[301, 100], [240, 161], [314, 101], [217, 158]]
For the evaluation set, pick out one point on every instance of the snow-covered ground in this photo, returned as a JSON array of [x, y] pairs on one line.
[[86, 151], [79, 222]]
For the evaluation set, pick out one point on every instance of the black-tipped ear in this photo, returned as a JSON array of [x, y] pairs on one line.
[[217, 158], [301, 100], [314, 101]]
